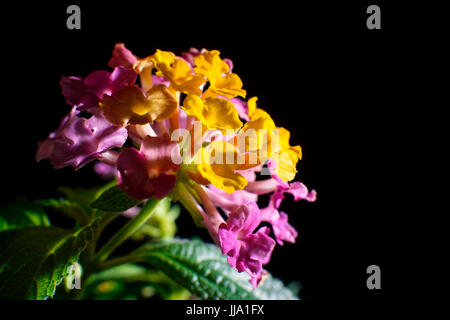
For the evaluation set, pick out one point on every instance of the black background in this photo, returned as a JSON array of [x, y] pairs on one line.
[[315, 67]]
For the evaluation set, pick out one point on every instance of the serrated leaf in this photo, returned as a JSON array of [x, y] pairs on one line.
[[203, 270], [34, 260], [21, 214], [114, 200]]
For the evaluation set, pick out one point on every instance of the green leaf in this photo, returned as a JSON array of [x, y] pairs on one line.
[[114, 200], [34, 260], [85, 196], [71, 209], [203, 270], [20, 214]]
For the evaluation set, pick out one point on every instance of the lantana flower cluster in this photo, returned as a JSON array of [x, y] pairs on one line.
[[190, 135]]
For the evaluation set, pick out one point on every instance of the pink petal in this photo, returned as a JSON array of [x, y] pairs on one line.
[[121, 56], [151, 171], [134, 178], [161, 152], [79, 141], [86, 93], [283, 230]]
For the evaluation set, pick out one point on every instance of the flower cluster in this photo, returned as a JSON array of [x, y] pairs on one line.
[[195, 139]]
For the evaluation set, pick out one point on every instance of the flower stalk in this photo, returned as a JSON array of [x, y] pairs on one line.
[[127, 230]]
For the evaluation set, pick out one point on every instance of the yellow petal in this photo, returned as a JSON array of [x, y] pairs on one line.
[[162, 102], [214, 113], [217, 163], [178, 72], [210, 65], [286, 165], [163, 59], [229, 86], [257, 135], [144, 68], [130, 106], [251, 104], [284, 142]]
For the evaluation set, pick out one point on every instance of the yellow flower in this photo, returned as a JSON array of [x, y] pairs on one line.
[[259, 134], [286, 165], [287, 157], [214, 113], [131, 106], [284, 143], [217, 71], [251, 105], [217, 163], [178, 72], [273, 142]]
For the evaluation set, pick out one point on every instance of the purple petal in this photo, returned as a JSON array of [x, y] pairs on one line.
[[300, 191], [105, 171], [86, 93], [149, 172], [79, 141], [244, 219], [134, 178], [283, 230], [260, 245], [122, 57], [160, 80], [227, 240], [230, 201], [77, 93]]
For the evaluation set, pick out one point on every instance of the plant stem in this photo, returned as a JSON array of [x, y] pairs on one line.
[[127, 230], [102, 225]]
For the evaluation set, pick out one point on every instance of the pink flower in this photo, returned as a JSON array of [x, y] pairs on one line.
[[150, 172], [247, 251], [79, 141], [282, 230], [229, 201], [279, 187], [105, 171], [86, 93], [122, 57]]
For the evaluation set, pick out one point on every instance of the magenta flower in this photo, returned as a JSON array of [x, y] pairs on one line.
[[79, 141], [150, 172], [86, 93], [229, 201], [282, 230], [105, 171], [247, 251], [122, 57]]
